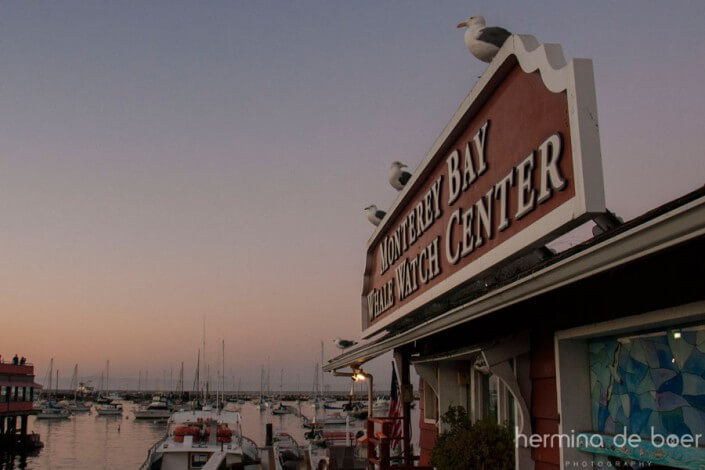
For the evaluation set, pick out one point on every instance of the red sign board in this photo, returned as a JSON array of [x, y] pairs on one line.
[[517, 165]]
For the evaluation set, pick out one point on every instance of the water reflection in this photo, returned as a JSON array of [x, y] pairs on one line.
[[121, 442]]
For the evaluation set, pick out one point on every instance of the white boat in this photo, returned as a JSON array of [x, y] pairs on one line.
[[328, 420], [52, 412], [232, 406], [287, 453], [281, 409], [158, 409], [39, 404], [339, 446], [109, 410], [380, 406], [203, 439], [333, 420], [78, 407], [261, 404], [73, 406]]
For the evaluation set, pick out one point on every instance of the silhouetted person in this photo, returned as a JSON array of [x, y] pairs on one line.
[[15, 360], [23, 361]]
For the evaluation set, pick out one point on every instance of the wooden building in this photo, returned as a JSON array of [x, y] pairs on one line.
[[16, 395], [571, 348]]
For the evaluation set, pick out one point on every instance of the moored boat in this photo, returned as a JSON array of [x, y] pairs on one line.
[[380, 406], [78, 407], [281, 409], [109, 410], [74, 406], [287, 453], [198, 438], [53, 412], [158, 409]]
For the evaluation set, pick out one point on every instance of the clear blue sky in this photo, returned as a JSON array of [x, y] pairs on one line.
[[164, 160]]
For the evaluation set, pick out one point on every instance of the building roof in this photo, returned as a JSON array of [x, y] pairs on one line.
[[541, 271]]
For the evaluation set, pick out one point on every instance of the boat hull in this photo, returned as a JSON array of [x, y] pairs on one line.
[[146, 414], [53, 417]]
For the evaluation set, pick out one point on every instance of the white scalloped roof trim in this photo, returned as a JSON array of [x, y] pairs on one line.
[[548, 59]]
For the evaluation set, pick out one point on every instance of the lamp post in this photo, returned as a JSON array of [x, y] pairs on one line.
[[358, 375]]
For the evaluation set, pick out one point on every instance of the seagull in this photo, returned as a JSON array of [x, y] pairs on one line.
[[483, 42], [398, 177], [374, 215], [344, 343]]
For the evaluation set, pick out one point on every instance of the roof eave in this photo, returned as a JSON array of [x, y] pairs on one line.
[[678, 225]]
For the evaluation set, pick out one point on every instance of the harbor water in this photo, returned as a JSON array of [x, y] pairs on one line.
[[87, 441]]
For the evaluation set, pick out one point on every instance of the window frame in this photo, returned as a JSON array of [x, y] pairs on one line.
[[429, 395], [480, 394]]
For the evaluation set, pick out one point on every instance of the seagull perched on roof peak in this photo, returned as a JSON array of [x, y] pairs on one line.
[[374, 215], [482, 41], [344, 343], [398, 177]]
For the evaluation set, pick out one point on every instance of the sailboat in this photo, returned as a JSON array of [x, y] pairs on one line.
[[51, 411], [280, 408], [74, 405], [113, 407], [261, 404]]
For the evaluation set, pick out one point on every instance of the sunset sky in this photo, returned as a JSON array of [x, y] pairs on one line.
[[165, 161]]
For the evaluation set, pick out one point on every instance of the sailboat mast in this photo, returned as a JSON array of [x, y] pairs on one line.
[[51, 373], [316, 388], [261, 383], [217, 383], [74, 381], [107, 376], [205, 361], [323, 379], [197, 379], [222, 382]]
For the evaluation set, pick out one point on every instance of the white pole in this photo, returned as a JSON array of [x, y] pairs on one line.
[[347, 431]]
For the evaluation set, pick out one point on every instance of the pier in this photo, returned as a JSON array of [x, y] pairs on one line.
[[16, 394]]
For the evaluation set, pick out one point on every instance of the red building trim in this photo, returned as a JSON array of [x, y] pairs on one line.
[[428, 432], [544, 402]]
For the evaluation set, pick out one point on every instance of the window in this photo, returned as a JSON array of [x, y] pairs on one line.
[[430, 404], [489, 397], [506, 409], [198, 460]]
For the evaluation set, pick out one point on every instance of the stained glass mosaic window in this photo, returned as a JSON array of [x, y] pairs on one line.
[[652, 381]]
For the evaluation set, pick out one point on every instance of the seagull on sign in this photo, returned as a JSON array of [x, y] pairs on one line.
[[344, 343], [374, 215], [398, 177], [482, 41]]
